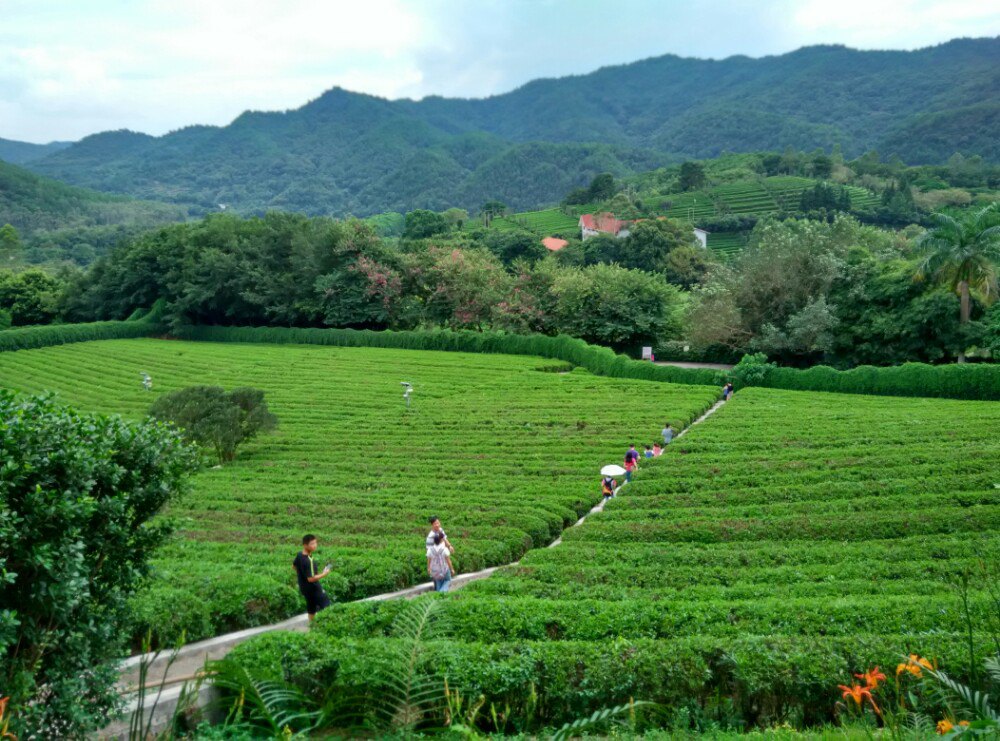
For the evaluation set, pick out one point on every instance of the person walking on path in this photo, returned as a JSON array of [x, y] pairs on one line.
[[668, 434], [648, 452], [439, 563], [309, 586], [608, 486], [435, 530], [631, 462], [727, 391], [657, 450]]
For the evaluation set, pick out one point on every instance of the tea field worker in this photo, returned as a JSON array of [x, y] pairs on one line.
[[668, 434], [631, 462], [657, 450], [305, 570], [435, 529], [608, 486], [439, 563]]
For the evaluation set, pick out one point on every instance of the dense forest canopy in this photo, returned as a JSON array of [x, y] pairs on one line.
[[347, 153]]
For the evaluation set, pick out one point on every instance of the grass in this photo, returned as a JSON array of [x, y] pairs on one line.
[[504, 454]]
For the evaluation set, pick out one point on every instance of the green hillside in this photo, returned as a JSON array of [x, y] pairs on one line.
[[32, 203], [351, 153]]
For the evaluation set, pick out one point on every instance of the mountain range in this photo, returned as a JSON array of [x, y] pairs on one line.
[[348, 152]]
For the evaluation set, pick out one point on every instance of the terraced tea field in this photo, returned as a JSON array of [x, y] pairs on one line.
[[544, 223], [789, 540], [505, 454]]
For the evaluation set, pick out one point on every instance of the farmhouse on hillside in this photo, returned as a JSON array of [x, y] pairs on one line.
[[593, 224]]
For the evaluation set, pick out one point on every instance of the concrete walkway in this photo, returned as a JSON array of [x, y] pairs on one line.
[[695, 366], [168, 673]]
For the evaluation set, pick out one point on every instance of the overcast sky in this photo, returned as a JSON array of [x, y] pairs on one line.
[[69, 68]]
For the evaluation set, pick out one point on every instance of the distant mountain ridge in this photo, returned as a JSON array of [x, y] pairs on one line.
[[17, 153], [353, 153]]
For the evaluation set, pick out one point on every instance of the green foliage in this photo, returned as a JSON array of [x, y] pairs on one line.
[[59, 334], [35, 206], [752, 370], [692, 176], [10, 244], [215, 419], [30, 297], [964, 255], [422, 223], [78, 496]]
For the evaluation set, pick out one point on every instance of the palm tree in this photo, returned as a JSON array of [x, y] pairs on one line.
[[963, 254]]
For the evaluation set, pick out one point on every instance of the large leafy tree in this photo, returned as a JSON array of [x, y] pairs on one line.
[[78, 494], [963, 254]]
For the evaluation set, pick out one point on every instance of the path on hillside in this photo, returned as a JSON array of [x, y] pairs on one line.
[[695, 366], [167, 673]]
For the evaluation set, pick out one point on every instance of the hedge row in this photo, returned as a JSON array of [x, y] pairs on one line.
[[768, 679], [973, 381], [598, 360], [967, 381], [26, 338]]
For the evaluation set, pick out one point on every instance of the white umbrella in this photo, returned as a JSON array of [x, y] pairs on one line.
[[612, 470]]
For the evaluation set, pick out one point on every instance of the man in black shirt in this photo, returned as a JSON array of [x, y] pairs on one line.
[[309, 585]]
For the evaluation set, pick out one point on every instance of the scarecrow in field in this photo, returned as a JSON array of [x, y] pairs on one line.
[[147, 381]]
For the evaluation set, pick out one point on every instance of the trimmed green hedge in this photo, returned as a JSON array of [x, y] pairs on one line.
[[974, 381], [768, 678], [599, 360], [26, 338], [967, 381]]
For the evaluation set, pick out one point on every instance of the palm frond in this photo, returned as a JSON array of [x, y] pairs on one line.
[[975, 701], [596, 719], [407, 696], [993, 668], [267, 703]]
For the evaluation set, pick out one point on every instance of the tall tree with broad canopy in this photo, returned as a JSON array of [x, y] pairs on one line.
[[963, 254]]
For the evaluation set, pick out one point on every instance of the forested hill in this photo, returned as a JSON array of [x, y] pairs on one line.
[[351, 153], [20, 152], [34, 204]]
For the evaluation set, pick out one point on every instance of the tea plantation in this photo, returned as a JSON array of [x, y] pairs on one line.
[[791, 539], [505, 454]]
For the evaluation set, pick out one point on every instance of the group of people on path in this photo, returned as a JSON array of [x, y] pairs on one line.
[[439, 548], [609, 484], [439, 567]]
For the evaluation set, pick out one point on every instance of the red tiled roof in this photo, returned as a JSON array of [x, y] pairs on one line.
[[554, 243], [605, 222]]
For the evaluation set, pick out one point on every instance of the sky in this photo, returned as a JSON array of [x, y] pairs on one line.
[[69, 68]]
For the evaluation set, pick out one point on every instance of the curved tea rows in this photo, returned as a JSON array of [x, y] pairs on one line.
[[791, 539], [505, 454]]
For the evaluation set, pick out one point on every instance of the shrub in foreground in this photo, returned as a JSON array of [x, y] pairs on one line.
[[77, 494]]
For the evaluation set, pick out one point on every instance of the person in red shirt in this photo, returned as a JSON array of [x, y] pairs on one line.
[[631, 462]]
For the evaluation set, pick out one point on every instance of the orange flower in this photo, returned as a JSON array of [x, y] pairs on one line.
[[944, 726], [915, 666], [872, 677], [963, 723], [859, 694]]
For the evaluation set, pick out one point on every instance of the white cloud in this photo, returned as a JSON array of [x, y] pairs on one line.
[[69, 68]]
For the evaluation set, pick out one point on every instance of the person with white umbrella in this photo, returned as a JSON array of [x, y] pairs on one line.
[[608, 483]]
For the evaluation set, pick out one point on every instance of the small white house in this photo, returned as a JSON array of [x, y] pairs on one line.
[[593, 224]]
